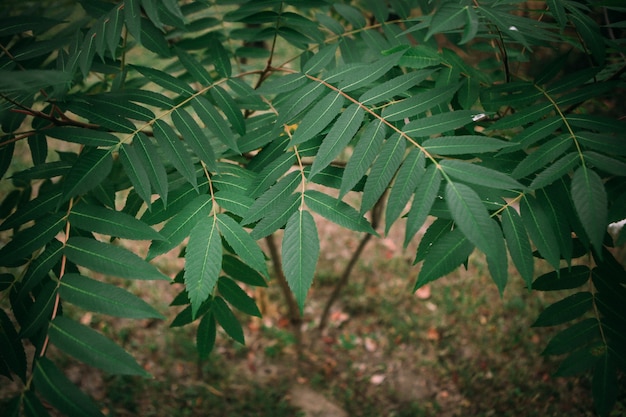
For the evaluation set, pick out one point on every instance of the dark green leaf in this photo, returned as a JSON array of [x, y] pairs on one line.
[[110, 222], [241, 242], [225, 317], [518, 243], [83, 136], [269, 200], [403, 187], [567, 309], [363, 155], [152, 164], [194, 137], [573, 337], [238, 270], [25, 242], [108, 259], [88, 171], [383, 171], [396, 86], [425, 195], [203, 260], [564, 279], [61, 392], [89, 346], [540, 230], [419, 103], [316, 119], [459, 145], [134, 168], [471, 217], [337, 211], [300, 252], [40, 267], [278, 217], [165, 80], [11, 349], [214, 122], [104, 298], [193, 67], [479, 175], [206, 334], [444, 256], [179, 226], [439, 123], [237, 297], [40, 312], [590, 201], [36, 208], [175, 151], [605, 385]]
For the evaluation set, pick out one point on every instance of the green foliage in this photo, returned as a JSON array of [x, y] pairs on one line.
[[176, 126]]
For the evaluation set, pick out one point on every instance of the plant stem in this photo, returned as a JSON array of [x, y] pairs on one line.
[[293, 311], [345, 276]]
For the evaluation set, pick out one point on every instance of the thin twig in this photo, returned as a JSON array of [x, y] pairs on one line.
[[345, 276]]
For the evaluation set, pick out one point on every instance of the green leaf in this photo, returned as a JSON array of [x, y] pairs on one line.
[[522, 117], [567, 309], [460, 145], [132, 17], [383, 171], [479, 175], [61, 392], [297, 102], [540, 230], [237, 297], [605, 163], [367, 74], [194, 137], [206, 335], [203, 262], [363, 155], [471, 217], [241, 242], [238, 270], [110, 222], [351, 14], [439, 123], [337, 211], [89, 170], [316, 119], [104, 298], [557, 10], [272, 172], [605, 385], [40, 267], [40, 311], [338, 137], [228, 105], [269, 200], [134, 168], [165, 80], [11, 349], [556, 170], [152, 164], [283, 84], [87, 137], [590, 201], [498, 261], [419, 103], [278, 217], [394, 87], [319, 61], [36, 208], [300, 252], [225, 317], [420, 56], [179, 226], [175, 151], [221, 60], [425, 195], [25, 242], [193, 67], [33, 406], [406, 181], [214, 122], [90, 347], [543, 155], [111, 260], [573, 337], [444, 256], [234, 202], [518, 243]]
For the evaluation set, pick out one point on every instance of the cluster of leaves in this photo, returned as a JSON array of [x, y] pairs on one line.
[[179, 123]]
